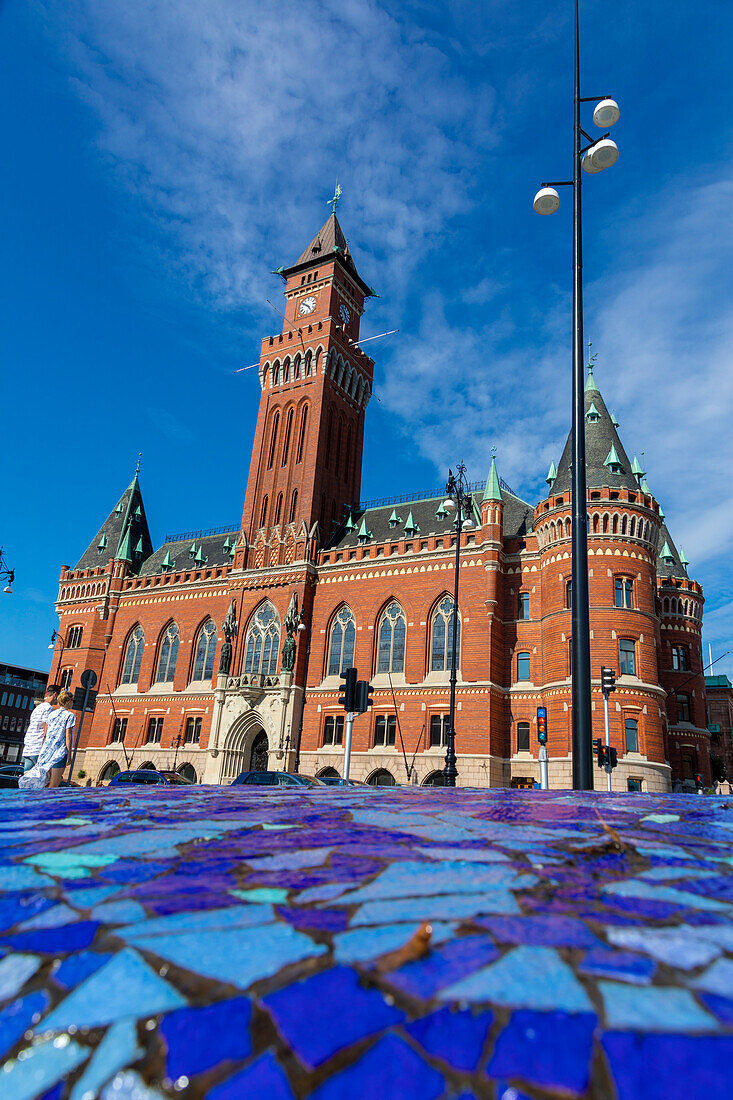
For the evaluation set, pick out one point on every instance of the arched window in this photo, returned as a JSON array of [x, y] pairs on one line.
[[286, 371], [319, 357], [343, 636], [381, 778], [631, 729], [329, 439], [278, 509], [347, 461], [276, 373], [293, 506], [273, 440], [168, 655], [391, 639], [523, 666], [109, 771], [301, 434], [133, 656], [522, 736], [263, 641], [337, 460], [296, 368], [441, 646], [286, 441], [203, 664], [263, 513], [188, 772]]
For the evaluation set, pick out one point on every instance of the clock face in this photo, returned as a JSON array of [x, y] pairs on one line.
[[345, 315], [307, 306]]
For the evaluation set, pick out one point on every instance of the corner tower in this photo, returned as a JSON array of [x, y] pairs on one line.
[[316, 383]]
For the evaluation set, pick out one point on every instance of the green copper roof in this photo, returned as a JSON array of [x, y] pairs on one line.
[[363, 532], [661, 512], [200, 558], [441, 513], [492, 490], [139, 546], [227, 543], [124, 552], [645, 486], [593, 413], [166, 562], [614, 421], [118, 509], [635, 467], [683, 559], [394, 519], [192, 549], [551, 473], [102, 543], [612, 458], [411, 525], [666, 553], [350, 525], [590, 382]]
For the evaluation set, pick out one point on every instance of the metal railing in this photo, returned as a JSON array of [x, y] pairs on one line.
[[424, 494], [202, 533]]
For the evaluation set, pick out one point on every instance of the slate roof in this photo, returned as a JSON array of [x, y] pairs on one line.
[[329, 239], [665, 569], [126, 525], [518, 517], [600, 437], [212, 548]]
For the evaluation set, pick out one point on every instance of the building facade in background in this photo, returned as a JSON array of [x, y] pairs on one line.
[[18, 688], [221, 650]]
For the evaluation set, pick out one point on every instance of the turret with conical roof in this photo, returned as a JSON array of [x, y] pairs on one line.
[[124, 536]]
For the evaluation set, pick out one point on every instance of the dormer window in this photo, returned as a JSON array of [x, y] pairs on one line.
[[592, 415]]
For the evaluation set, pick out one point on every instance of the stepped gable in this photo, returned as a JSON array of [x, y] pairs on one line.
[[182, 558], [518, 516], [601, 438], [665, 568], [124, 535]]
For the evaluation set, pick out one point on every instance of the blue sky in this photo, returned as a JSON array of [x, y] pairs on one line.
[[160, 159]]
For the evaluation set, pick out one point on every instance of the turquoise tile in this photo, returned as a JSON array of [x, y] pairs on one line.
[[440, 907], [653, 1008], [717, 979], [125, 986], [527, 977], [42, 1066], [238, 956], [15, 970], [678, 946], [118, 1048], [273, 894], [70, 864]]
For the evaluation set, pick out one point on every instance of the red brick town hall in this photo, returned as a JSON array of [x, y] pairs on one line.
[[221, 651]]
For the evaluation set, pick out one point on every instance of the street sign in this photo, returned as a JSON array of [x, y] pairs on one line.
[[79, 694], [88, 678]]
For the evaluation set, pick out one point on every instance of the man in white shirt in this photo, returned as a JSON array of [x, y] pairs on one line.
[[34, 734]]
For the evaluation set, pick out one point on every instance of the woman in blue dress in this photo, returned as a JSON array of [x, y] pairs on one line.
[[59, 733]]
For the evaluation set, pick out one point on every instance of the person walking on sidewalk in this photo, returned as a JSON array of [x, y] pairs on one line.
[[59, 731], [34, 734]]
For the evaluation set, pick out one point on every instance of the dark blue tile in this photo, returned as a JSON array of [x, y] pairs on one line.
[[551, 1049], [543, 931], [455, 1037], [391, 1068], [18, 1016], [56, 941], [78, 967], [320, 920], [264, 1078], [445, 965], [623, 965], [21, 907], [659, 1067], [199, 1038], [721, 1006], [327, 1012]]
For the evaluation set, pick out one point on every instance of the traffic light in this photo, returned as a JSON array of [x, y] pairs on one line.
[[347, 698], [698, 782], [542, 725], [608, 681], [600, 750], [363, 696], [612, 757]]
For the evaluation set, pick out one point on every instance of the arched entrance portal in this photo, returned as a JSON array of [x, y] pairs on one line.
[[245, 749], [258, 758]]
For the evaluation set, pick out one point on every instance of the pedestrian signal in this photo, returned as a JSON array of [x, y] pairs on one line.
[[608, 681]]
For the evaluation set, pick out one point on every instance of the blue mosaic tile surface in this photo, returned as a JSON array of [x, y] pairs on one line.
[[220, 943]]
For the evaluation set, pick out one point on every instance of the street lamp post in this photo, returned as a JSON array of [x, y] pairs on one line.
[[56, 637], [458, 499], [9, 574], [598, 154], [301, 630]]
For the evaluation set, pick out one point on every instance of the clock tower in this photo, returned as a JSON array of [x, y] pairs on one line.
[[316, 383]]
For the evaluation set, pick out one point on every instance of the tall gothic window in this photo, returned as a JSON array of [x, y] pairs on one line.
[[263, 641], [391, 643], [263, 513], [273, 440], [286, 440], [168, 655], [293, 505], [203, 663], [133, 656], [441, 645], [343, 636], [301, 434]]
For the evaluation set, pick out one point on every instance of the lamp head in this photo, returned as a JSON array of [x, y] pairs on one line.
[[602, 155], [468, 522], [546, 201], [449, 504], [8, 589], [606, 113]]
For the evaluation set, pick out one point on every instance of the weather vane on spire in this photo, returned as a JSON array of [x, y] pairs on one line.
[[139, 460], [591, 358], [333, 202], [493, 451]]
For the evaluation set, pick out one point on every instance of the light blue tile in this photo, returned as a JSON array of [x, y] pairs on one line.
[[417, 880], [653, 1008], [15, 970], [718, 978], [239, 956], [678, 946], [466, 855], [327, 892], [129, 1085], [661, 819], [663, 851], [720, 934], [234, 916], [291, 861], [124, 911], [118, 1048], [527, 977], [125, 986], [672, 874], [651, 891], [17, 877], [442, 907], [50, 918], [41, 1067], [371, 942], [88, 896]]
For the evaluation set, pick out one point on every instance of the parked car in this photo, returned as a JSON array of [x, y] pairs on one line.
[[337, 781], [9, 775], [275, 779], [148, 776]]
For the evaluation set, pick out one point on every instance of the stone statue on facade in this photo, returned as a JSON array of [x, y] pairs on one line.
[[229, 628], [292, 618]]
